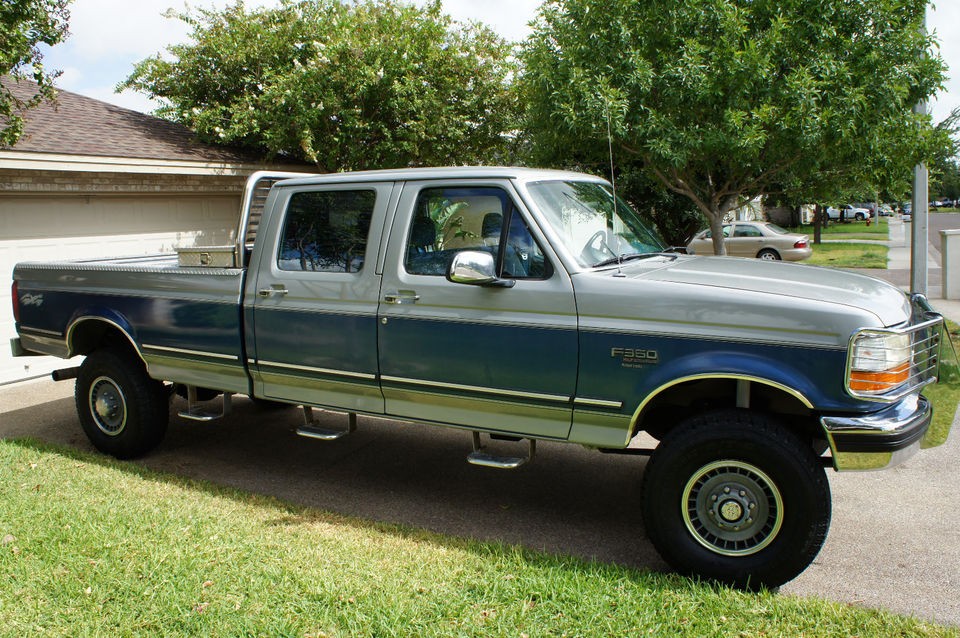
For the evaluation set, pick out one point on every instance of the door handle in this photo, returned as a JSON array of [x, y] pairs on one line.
[[404, 296], [269, 292]]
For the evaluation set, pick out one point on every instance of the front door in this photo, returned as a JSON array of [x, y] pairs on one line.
[[314, 309], [492, 358]]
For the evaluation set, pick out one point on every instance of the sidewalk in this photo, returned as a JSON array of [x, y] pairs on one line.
[[898, 269]]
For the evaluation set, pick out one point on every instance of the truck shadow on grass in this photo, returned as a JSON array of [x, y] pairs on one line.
[[568, 500]]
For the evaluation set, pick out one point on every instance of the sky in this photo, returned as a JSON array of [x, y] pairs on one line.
[[109, 36]]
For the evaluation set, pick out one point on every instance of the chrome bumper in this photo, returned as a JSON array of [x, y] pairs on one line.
[[879, 440]]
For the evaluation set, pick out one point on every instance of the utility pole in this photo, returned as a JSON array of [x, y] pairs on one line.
[[920, 214]]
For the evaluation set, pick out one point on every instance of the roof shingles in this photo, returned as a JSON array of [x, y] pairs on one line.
[[78, 125]]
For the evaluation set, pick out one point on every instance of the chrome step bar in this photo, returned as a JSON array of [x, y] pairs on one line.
[[312, 430], [481, 457], [196, 413]]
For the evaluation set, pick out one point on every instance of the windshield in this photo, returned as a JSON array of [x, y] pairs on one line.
[[592, 228]]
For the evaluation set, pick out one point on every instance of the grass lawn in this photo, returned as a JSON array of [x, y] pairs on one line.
[[945, 395], [848, 230], [848, 255], [95, 547]]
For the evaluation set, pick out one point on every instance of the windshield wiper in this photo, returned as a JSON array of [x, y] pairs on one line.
[[619, 259]]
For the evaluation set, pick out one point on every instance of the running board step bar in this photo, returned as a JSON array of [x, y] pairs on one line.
[[195, 413], [312, 430], [481, 457]]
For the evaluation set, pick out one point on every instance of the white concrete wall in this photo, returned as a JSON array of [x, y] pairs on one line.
[[54, 227]]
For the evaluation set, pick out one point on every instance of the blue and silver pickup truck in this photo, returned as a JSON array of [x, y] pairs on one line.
[[514, 304]]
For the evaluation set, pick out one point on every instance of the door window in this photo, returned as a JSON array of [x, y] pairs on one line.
[[326, 231], [747, 231], [449, 220]]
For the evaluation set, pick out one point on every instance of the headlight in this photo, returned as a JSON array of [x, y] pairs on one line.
[[879, 362]]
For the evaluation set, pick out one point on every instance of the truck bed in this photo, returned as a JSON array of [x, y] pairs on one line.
[[185, 321]]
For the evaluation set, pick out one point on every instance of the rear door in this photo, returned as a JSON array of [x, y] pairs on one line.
[[491, 358], [313, 315]]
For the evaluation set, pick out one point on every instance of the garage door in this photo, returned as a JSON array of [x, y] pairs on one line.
[[42, 228]]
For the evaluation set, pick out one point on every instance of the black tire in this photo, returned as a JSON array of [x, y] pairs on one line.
[[768, 254], [123, 411], [734, 497], [859, 217]]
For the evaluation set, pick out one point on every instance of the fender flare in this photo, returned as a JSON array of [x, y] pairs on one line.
[[101, 315], [736, 367]]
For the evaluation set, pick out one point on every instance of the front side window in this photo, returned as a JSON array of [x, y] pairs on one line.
[[326, 231], [449, 220]]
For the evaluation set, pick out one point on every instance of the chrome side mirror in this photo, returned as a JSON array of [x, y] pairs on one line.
[[476, 268]]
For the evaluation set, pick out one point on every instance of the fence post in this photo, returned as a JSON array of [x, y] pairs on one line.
[[950, 263]]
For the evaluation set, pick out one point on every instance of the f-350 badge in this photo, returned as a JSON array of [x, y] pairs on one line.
[[635, 357]]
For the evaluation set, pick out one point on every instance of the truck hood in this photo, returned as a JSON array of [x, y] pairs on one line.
[[884, 300], [736, 297]]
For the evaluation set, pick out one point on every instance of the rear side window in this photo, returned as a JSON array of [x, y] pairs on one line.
[[326, 231]]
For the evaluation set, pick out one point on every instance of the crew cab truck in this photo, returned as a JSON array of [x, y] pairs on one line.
[[523, 304]]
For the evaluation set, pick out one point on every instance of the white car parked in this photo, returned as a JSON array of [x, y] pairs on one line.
[[850, 212]]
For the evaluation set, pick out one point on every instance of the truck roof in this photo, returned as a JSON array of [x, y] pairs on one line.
[[450, 172]]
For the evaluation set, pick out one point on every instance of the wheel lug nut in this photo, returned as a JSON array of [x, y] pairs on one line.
[[726, 490], [713, 498], [752, 505], [742, 493]]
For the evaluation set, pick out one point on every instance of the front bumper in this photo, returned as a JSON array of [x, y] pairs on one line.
[[879, 440]]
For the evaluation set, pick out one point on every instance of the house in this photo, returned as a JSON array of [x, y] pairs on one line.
[[89, 179]]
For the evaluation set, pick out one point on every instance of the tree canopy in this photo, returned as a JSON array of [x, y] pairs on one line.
[[365, 84], [25, 24], [723, 101]]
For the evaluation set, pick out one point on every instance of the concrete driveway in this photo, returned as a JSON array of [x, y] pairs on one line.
[[894, 542]]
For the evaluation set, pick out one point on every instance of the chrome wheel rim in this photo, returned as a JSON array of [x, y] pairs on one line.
[[108, 406], [732, 508]]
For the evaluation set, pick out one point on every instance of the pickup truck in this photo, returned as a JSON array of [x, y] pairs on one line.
[[521, 305]]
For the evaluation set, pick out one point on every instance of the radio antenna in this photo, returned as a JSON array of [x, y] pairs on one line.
[[613, 183]]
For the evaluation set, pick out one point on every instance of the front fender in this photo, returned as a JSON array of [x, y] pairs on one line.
[[721, 364]]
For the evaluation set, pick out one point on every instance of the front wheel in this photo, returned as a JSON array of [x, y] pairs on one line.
[[733, 496], [123, 411]]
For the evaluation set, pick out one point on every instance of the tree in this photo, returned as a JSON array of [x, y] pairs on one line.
[[724, 101], [25, 24], [345, 85]]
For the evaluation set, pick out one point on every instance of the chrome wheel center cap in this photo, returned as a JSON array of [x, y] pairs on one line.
[[731, 511], [105, 407]]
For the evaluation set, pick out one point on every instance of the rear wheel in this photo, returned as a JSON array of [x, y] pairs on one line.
[[768, 254], [735, 497], [123, 411]]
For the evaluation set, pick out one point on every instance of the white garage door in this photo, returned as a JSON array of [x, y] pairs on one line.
[[45, 228]]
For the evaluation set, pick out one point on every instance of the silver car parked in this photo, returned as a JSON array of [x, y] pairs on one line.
[[762, 240]]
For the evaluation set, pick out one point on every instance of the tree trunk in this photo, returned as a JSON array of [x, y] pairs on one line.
[[818, 213], [716, 230]]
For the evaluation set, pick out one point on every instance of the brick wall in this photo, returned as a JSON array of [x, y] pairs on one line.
[[23, 182]]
